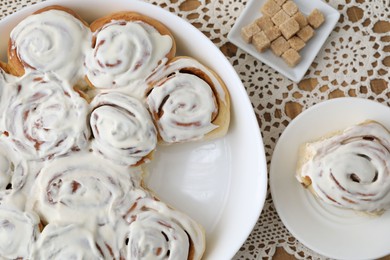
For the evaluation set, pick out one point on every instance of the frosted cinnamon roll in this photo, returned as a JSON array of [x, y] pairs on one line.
[[188, 102], [156, 231], [350, 169], [122, 128], [61, 241], [44, 117], [83, 188], [18, 232], [53, 39], [13, 168], [126, 48]]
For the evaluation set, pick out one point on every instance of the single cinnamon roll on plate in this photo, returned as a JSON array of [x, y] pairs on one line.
[[350, 169], [188, 101], [53, 39], [126, 48]]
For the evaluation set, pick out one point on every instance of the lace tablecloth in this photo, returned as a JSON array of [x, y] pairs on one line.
[[355, 61]]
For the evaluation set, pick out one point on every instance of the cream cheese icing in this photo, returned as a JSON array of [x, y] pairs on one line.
[[52, 41], [45, 117], [122, 128], [125, 53], [186, 105], [351, 169]]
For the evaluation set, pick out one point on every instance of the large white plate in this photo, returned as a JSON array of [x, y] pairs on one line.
[[252, 12], [333, 232], [222, 184]]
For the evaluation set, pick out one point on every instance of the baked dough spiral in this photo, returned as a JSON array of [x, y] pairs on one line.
[[156, 231], [53, 39], [66, 241], [44, 117], [18, 232], [188, 102], [83, 188], [350, 169], [122, 128], [126, 47]]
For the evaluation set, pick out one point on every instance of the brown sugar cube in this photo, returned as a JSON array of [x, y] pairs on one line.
[[301, 19], [291, 57], [296, 43], [290, 8], [316, 18], [264, 22], [272, 33], [280, 17], [270, 8], [279, 46], [306, 33], [280, 2], [289, 28], [260, 41], [248, 31]]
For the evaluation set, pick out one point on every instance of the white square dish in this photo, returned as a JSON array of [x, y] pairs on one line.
[[308, 53]]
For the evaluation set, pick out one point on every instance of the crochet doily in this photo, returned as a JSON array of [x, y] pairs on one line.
[[354, 61]]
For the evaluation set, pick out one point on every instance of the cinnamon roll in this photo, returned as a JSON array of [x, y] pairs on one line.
[[122, 128], [350, 169], [13, 168], [85, 189], [44, 117], [53, 39], [66, 241], [126, 48], [188, 102], [18, 232], [156, 231]]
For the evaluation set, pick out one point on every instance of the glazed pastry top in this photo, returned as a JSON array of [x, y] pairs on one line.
[[351, 168]]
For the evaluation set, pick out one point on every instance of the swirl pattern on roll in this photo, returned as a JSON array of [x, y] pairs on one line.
[[126, 49], [156, 231], [350, 169], [74, 189], [122, 128], [45, 117], [61, 241], [187, 101], [18, 232], [13, 168], [50, 41]]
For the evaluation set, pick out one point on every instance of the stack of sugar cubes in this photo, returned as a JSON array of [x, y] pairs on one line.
[[283, 28]]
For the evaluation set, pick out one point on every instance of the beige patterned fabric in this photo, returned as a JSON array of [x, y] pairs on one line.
[[354, 61]]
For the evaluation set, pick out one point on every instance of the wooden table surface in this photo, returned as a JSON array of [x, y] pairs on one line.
[[354, 14]]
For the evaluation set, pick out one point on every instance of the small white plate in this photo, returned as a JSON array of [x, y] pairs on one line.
[[308, 53], [330, 231]]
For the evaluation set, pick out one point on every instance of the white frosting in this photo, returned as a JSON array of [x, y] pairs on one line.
[[156, 231], [82, 188], [18, 231], [183, 106], [52, 41], [45, 117], [13, 168], [351, 169], [124, 53], [122, 127], [183, 63], [59, 241]]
